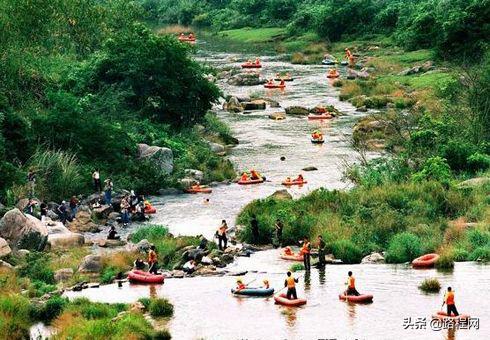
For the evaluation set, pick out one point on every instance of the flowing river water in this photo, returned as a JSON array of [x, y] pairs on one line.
[[204, 307]]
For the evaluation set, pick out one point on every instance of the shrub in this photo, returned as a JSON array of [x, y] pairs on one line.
[[403, 247], [151, 232], [478, 238], [36, 268], [347, 251], [480, 254], [430, 285], [162, 335], [108, 274], [161, 308], [14, 316], [50, 310], [435, 168], [445, 261], [478, 161], [295, 267], [460, 254], [145, 301]]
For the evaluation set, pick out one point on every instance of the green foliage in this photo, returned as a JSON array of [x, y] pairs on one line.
[[108, 274], [347, 251], [14, 316], [151, 232], [49, 310], [145, 302], [435, 168], [445, 261], [160, 308], [295, 267], [430, 285], [36, 267], [403, 247], [480, 254]]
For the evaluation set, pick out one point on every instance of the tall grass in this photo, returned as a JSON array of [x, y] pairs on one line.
[[58, 174]]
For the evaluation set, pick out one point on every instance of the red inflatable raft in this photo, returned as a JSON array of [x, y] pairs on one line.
[[295, 257], [139, 276], [322, 116], [294, 183], [283, 300], [251, 181], [333, 75], [200, 190], [274, 86], [150, 209], [246, 65], [363, 298], [444, 316], [425, 261]]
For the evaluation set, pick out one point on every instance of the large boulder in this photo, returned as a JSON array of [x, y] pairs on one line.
[[91, 264], [23, 231], [277, 116], [63, 275], [56, 228], [297, 110], [474, 182], [65, 240], [102, 212], [246, 79], [373, 258], [217, 148], [233, 105], [310, 168], [83, 223], [354, 74], [163, 157], [282, 195], [198, 175], [4, 248]]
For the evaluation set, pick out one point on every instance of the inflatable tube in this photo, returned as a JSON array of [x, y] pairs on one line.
[[274, 86], [425, 261], [251, 66], [150, 209], [322, 116], [251, 181], [318, 141], [443, 316], [200, 190], [344, 63], [294, 183], [283, 300], [296, 257], [363, 298], [285, 79], [329, 62], [254, 291], [139, 276]]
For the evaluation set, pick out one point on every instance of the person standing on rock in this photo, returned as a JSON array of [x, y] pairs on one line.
[[255, 229], [31, 181], [96, 180], [125, 206], [31, 205], [221, 234], [44, 212], [321, 251], [279, 228], [62, 212], [73, 207], [108, 191]]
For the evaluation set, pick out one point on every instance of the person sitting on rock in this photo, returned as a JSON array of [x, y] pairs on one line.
[[139, 212], [30, 207], [139, 264], [240, 285], [113, 234], [189, 267]]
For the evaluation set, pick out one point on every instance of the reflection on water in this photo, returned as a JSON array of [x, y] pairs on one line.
[[205, 308]]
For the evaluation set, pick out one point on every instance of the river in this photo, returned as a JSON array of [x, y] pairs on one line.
[[204, 307]]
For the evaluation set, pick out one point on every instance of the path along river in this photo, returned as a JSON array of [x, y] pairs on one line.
[[204, 307]]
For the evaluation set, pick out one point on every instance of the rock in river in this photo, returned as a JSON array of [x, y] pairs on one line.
[[4, 248], [23, 231], [282, 195], [297, 110], [373, 259]]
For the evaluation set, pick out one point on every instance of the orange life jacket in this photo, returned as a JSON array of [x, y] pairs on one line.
[[450, 298], [241, 286], [306, 248], [290, 282], [352, 282], [152, 257], [244, 177]]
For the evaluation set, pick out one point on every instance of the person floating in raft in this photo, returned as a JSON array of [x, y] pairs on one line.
[[351, 285], [196, 186], [182, 36], [139, 264], [152, 260], [449, 301], [244, 177], [240, 285], [288, 180], [317, 135], [282, 83], [290, 283], [270, 82], [191, 36], [333, 73], [255, 174], [288, 251], [299, 178], [257, 61], [265, 284]]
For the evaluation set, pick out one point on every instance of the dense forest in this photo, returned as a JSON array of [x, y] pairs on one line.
[[81, 83], [454, 28]]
